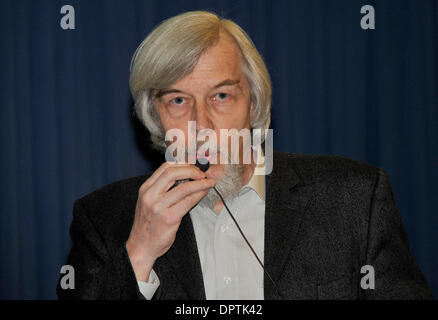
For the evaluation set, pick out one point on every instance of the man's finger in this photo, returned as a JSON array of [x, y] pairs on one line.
[[151, 180], [182, 207], [185, 189], [168, 178]]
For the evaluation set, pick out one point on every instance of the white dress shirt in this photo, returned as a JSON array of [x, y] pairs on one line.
[[229, 268]]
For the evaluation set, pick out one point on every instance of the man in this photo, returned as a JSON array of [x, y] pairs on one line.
[[315, 222]]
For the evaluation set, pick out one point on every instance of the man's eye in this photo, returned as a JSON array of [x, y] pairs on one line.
[[221, 95], [178, 101]]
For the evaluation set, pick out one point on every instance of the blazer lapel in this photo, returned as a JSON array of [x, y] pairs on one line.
[[286, 200], [184, 258]]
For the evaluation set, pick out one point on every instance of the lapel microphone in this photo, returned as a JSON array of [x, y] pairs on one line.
[[204, 165]]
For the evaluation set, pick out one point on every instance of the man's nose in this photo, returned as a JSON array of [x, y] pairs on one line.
[[202, 118]]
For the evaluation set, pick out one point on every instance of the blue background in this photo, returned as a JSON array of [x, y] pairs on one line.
[[67, 124]]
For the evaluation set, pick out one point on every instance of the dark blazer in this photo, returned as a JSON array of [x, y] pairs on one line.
[[325, 218]]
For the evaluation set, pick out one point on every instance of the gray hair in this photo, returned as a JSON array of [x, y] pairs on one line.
[[171, 51]]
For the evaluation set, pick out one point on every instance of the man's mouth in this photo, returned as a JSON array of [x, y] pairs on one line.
[[206, 155]]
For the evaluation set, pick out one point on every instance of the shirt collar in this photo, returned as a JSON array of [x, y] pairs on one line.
[[257, 181]]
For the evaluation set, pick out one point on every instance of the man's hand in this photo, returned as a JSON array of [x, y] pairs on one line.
[[159, 211]]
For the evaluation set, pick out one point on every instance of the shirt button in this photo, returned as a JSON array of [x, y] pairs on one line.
[[224, 228], [227, 280]]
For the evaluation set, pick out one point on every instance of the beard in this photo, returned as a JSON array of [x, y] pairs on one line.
[[228, 186]]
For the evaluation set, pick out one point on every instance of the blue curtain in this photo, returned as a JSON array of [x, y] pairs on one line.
[[67, 124]]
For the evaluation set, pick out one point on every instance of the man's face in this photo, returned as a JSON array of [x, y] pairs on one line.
[[215, 95]]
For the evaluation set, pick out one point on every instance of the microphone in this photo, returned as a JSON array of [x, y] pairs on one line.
[[204, 165]]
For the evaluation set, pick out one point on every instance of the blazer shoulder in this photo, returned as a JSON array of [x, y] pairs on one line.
[[320, 168], [115, 191], [111, 202]]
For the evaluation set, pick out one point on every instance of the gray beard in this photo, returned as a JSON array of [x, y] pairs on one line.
[[228, 186]]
